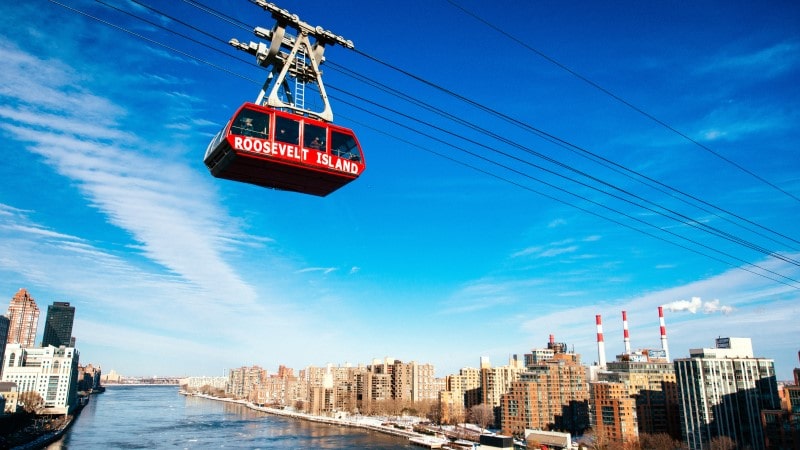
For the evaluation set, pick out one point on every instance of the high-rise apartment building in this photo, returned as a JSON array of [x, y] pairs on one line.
[[381, 387], [58, 325], [245, 380], [495, 381], [722, 393], [550, 394], [652, 383], [23, 316], [461, 392], [613, 415], [413, 382]]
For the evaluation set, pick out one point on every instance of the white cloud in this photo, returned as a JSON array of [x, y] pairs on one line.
[[765, 62], [323, 270], [737, 121], [550, 250], [558, 251], [714, 306]]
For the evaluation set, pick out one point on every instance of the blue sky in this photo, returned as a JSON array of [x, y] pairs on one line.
[[105, 202]]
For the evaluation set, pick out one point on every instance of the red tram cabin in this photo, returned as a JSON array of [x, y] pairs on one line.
[[281, 150]]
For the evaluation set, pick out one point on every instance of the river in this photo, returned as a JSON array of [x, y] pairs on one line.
[[153, 417]]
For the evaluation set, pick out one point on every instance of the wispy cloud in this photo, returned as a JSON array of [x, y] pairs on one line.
[[170, 216], [323, 270], [765, 62], [486, 294], [179, 236], [547, 251], [735, 121], [558, 251], [38, 231]]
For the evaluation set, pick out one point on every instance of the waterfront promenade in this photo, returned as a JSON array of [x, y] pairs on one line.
[[358, 421]]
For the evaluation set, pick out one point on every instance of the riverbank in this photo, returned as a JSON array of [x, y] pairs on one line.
[[42, 440], [364, 422]]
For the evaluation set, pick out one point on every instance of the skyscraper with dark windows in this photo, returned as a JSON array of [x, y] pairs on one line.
[[23, 315], [58, 325], [4, 324]]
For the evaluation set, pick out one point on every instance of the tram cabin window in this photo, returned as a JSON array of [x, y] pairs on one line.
[[251, 123], [344, 146], [314, 137], [287, 130]]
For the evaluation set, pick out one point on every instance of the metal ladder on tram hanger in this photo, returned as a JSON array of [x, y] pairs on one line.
[[300, 83]]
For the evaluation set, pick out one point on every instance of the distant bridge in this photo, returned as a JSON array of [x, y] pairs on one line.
[[174, 381]]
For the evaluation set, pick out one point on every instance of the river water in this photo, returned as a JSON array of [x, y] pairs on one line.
[[154, 417]]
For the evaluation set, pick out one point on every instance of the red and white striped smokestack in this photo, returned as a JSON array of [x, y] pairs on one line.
[[626, 337], [663, 332], [601, 346], [552, 339]]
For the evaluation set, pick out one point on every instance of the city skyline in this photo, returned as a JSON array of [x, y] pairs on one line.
[[106, 204]]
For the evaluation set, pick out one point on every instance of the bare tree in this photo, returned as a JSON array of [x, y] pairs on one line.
[[658, 441], [31, 402], [595, 441], [435, 412], [380, 408], [722, 443], [533, 444], [481, 415]]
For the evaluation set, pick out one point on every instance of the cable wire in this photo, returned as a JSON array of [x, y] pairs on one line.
[[468, 152], [623, 101]]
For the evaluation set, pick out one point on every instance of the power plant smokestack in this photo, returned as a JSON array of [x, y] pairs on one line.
[[664, 345], [552, 339], [625, 335], [601, 346]]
